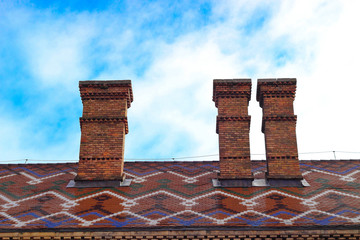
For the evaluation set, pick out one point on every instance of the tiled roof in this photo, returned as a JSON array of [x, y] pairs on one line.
[[177, 194]]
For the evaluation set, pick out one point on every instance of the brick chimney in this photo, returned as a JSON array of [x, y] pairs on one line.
[[103, 128], [231, 97], [276, 98]]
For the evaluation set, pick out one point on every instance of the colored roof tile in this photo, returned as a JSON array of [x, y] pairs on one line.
[[177, 194]]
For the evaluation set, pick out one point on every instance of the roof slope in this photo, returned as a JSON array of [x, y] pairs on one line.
[[177, 194]]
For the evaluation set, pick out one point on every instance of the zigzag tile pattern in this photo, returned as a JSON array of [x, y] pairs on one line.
[[177, 194]]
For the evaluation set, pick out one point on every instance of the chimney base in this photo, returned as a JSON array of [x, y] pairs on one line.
[[85, 177], [260, 182], [235, 182], [98, 184], [285, 182]]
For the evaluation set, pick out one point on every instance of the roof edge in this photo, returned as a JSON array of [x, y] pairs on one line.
[[182, 228]]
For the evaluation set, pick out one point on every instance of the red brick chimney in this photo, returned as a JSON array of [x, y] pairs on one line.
[[231, 97], [276, 98], [103, 128]]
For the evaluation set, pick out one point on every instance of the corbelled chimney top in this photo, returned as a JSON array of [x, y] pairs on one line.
[[228, 85], [105, 84], [276, 86]]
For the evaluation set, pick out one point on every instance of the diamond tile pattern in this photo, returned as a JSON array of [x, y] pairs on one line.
[[177, 194]]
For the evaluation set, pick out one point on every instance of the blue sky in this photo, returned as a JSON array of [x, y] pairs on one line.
[[172, 50]]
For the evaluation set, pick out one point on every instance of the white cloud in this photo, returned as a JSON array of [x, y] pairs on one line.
[[173, 113], [56, 49], [314, 33], [20, 142], [331, 92]]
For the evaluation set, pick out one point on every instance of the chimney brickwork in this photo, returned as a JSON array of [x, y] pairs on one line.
[[231, 97], [276, 98], [103, 128]]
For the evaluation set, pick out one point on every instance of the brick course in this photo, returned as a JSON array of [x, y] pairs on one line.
[[282, 234], [103, 128], [231, 97]]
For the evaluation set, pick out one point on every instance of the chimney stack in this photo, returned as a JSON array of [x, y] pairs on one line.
[[103, 128], [231, 97], [276, 98]]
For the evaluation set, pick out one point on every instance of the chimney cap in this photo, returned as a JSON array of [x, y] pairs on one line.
[[271, 81], [234, 81], [104, 82]]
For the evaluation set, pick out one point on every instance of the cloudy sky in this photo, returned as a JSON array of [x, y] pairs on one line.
[[172, 50]]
